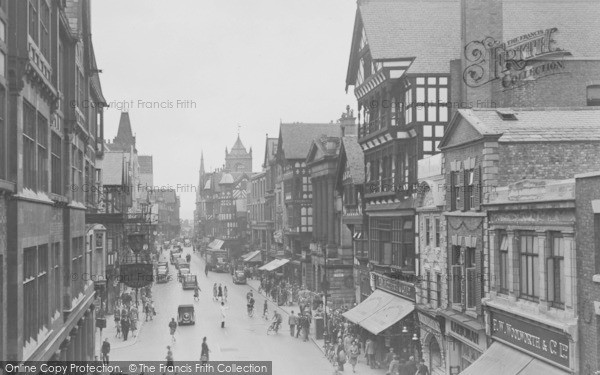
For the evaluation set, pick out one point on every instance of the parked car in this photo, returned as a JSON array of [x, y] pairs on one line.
[[163, 264], [239, 277], [185, 314], [180, 262]]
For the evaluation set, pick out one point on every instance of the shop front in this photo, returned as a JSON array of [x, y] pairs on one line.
[[525, 347], [388, 318], [466, 341]]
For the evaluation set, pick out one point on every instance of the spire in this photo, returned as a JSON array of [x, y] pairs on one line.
[[125, 137], [202, 162]]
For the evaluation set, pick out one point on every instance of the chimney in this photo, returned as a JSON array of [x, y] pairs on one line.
[[348, 122]]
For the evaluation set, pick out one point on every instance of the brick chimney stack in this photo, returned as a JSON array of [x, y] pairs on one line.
[[348, 123]]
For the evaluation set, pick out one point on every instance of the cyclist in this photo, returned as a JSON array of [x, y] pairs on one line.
[[197, 293], [276, 320], [249, 295], [173, 328], [250, 306]]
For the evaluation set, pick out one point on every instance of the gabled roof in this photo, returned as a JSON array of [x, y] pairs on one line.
[[323, 147], [355, 158], [270, 151], [113, 168], [145, 162], [295, 138], [238, 149], [426, 31], [124, 139], [530, 124]]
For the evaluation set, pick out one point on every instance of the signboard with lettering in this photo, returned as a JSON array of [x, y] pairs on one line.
[[546, 343], [465, 332], [402, 288], [136, 275]]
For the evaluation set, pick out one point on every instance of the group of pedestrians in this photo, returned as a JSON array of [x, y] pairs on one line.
[[219, 293], [300, 324], [204, 355], [126, 320]]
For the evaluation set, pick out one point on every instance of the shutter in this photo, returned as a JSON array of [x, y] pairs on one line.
[[478, 188], [448, 191], [460, 204]]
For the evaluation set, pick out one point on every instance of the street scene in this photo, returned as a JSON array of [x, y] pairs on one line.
[[374, 187]]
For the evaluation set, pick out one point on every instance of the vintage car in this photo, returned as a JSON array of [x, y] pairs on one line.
[[163, 264], [221, 267], [181, 262], [239, 277], [162, 275], [185, 314], [183, 269], [174, 257], [189, 281]]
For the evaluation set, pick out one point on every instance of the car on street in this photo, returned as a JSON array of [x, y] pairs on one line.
[[162, 275], [189, 281], [185, 314], [180, 262], [239, 277], [220, 267], [163, 264]]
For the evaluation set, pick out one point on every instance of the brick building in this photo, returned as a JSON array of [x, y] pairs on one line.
[[587, 239], [48, 152], [493, 161]]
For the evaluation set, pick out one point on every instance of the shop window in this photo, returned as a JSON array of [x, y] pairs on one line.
[[556, 272], [529, 267]]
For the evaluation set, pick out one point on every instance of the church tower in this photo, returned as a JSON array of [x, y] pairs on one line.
[[238, 159]]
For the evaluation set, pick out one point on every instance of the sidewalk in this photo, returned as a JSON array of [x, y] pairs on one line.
[[361, 366], [110, 332]]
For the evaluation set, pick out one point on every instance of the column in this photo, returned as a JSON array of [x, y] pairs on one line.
[[569, 251], [513, 264], [540, 242], [493, 254]]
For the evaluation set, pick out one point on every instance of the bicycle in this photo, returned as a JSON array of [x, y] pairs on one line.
[[274, 327]]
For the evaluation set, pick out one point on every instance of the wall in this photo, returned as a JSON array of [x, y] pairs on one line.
[[586, 190], [3, 290]]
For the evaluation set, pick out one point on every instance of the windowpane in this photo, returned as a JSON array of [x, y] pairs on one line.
[[420, 80], [431, 80], [443, 114], [443, 92], [427, 131], [443, 81], [439, 131], [420, 94], [432, 113]]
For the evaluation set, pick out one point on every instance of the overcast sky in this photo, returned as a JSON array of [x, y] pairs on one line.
[[251, 63]]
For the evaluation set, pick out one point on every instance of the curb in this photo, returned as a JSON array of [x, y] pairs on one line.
[[312, 339], [128, 343]]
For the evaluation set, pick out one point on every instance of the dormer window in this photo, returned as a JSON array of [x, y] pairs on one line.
[[507, 116]]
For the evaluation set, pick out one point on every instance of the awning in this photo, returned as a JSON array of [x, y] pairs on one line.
[[216, 244], [273, 265], [253, 256], [501, 359], [379, 311]]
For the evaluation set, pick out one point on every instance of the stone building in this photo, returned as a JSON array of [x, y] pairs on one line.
[[432, 285], [48, 153]]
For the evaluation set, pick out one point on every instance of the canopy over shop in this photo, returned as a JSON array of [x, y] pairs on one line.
[[273, 265], [252, 257]]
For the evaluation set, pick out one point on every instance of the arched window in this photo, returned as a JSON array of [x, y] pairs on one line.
[[593, 95], [435, 355]]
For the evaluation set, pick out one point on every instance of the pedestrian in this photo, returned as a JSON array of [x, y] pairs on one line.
[[354, 353], [206, 270], [169, 357], [215, 292], [105, 351], [306, 328], [125, 328], [172, 329], [223, 314], [389, 357], [393, 366], [292, 321], [133, 325], [225, 293], [266, 310], [300, 325], [370, 353], [341, 356], [204, 352], [423, 369], [220, 293]]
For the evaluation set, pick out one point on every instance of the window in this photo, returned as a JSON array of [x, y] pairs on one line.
[[33, 20], [529, 267], [42, 153], [56, 292], [503, 262], [42, 281], [30, 323], [427, 233], [29, 141], [3, 135], [45, 29], [556, 272], [77, 261], [435, 354], [455, 191], [438, 289], [469, 189], [56, 147], [456, 275], [593, 95], [437, 232], [428, 286], [471, 275]]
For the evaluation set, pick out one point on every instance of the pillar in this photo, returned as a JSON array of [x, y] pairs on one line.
[[540, 242], [569, 251], [513, 264]]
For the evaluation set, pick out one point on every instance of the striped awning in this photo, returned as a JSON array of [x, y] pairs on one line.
[[216, 244], [273, 265]]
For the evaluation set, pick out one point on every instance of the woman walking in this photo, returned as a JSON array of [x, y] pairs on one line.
[[220, 293], [225, 293], [354, 352], [215, 292], [204, 352]]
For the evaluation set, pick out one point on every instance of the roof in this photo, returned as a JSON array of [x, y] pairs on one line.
[[124, 134], [328, 146], [95, 77], [426, 30], [238, 148], [533, 124], [295, 138], [112, 168], [355, 158], [227, 178], [270, 150], [145, 162], [577, 24]]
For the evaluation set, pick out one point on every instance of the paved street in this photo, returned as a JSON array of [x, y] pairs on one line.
[[244, 338]]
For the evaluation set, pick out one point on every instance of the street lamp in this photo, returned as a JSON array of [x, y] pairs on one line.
[[137, 243]]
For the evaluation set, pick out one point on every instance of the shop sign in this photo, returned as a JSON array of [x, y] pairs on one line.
[[531, 337], [429, 322], [465, 332], [402, 288], [136, 275]]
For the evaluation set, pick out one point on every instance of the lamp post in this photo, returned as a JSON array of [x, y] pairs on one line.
[[136, 242]]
